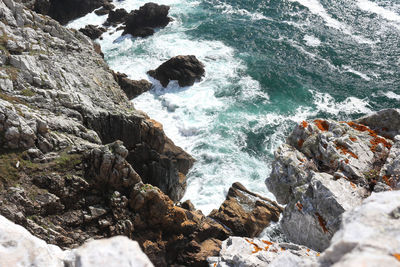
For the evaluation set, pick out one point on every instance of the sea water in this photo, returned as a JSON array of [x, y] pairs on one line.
[[269, 65]]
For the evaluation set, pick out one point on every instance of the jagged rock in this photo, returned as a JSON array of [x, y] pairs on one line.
[[108, 168], [385, 122], [369, 234], [105, 9], [20, 248], [93, 32], [65, 10], [324, 169], [141, 22], [131, 88], [245, 252], [246, 213], [185, 69], [116, 16]]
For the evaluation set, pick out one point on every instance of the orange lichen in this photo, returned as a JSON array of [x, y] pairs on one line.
[[304, 124], [256, 247], [375, 141], [346, 161], [322, 222], [300, 143], [386, 180], [322, 125], [318, 254], [215, 264], [266, 248], [353, 139], [267, 242], [345, 150], [299, 206], [308, 250], [352, 185], [302, 160], [397, 256], [283, 249]]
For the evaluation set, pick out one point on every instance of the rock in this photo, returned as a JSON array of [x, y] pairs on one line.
[[246, 213], [131, 88], [115, 251], [385, 122], [20, 248], [105, 9], [325, 168], [245, 252], [116, 17], [92, 31], [185, 69], [64, 11], [140, 23], [369, 234]]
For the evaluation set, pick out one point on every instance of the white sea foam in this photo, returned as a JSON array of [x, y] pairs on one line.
[[392, 95], [316, 8], [351, 105], [362, 75], [228, 9], [312, 40]]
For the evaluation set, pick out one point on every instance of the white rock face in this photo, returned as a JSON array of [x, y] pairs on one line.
[[369, 234], [327, 167], [20, 248], [246, 252]]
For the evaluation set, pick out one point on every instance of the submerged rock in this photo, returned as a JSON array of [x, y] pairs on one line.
[[246, 213], [185, 69], [141, 22], [132, 88]]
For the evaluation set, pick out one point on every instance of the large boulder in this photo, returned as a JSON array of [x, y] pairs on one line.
[[105, 9], [246, 213], [132, 88], [93, 32], [369, 234], [141, 22], [21, 248], [185, 69], [116, 16], [325, 168]]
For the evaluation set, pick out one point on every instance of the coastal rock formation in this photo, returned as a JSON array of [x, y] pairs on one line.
[[246, 252], [65, 10], [141, 22], [328, 167], [93, 32], [105, 9], [185, 69], [20, 248], [116, 17], [369, 234], [246, 213], [131, 88]]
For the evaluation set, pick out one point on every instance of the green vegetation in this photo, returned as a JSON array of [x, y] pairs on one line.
[[67, 161], [371, 174], [27, 92]]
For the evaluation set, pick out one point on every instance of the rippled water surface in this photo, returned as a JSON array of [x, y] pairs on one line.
[[269, 64]]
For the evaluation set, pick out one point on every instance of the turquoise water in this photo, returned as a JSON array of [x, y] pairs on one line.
[[269, 64]]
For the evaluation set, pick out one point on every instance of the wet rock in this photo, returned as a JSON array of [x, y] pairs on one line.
[[93, 32], [246, 252], [105, 9], [141, 22], [131, 88], [246, 213], [116, 17], [185, 69]]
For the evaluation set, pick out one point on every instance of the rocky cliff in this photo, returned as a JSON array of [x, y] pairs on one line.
[[77, 161]]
